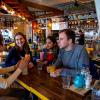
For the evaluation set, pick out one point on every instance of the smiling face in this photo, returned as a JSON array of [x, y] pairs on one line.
[[20, 41], [49, 44]]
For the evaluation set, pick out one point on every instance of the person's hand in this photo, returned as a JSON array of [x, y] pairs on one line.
[[48, 69], [30, 65], [16, 66], [38, 60], [23, 63], [27, 57], [56, 73]]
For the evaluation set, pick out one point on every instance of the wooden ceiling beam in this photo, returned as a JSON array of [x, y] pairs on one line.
[[19, 8], [12, 3], [10, 0], [35, 12], [42, 7], [48, 15], [84, 1], [38, 11]]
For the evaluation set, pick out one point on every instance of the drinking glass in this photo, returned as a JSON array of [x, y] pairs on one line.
[[52, 68], [25, 71], [40, 65], [66, 82], [41, 56]]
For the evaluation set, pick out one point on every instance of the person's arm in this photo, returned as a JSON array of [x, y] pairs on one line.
[[83, 60], [58, 62], [8, 60], [8, 69], [4, 83]]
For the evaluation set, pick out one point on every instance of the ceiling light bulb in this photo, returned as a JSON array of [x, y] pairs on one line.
[[4, 7]]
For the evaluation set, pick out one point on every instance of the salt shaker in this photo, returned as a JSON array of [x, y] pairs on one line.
[[88, 81]]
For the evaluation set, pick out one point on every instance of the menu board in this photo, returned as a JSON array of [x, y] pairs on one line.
[[59, 26], [55, 26]]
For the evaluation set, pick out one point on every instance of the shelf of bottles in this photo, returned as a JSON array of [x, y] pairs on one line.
[[6, 24], [39, 30], [86, 21], [83, 24]]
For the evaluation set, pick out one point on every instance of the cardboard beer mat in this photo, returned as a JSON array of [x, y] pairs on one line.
[[81, 91], [97, 84]]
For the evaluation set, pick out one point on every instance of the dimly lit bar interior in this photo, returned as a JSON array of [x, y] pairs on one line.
[[49, 49]]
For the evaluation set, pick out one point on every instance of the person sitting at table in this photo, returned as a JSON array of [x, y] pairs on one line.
[[1, 43], [81, 39], [4, 83], [18, 51], [72, 57], [51, 50]]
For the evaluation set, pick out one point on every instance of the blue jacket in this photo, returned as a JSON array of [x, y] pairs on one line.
[[14, 56]]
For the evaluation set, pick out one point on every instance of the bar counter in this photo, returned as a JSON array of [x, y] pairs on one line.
[[48, 88]]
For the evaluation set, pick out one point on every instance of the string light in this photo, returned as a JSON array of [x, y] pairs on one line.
[[4, 7], [23, 17], [11, 11]]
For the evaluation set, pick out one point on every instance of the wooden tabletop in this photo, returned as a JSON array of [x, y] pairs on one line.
[[49, 88], [96, 60]]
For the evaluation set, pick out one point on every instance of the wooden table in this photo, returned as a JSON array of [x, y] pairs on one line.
[[96, 60], [47, 88]]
